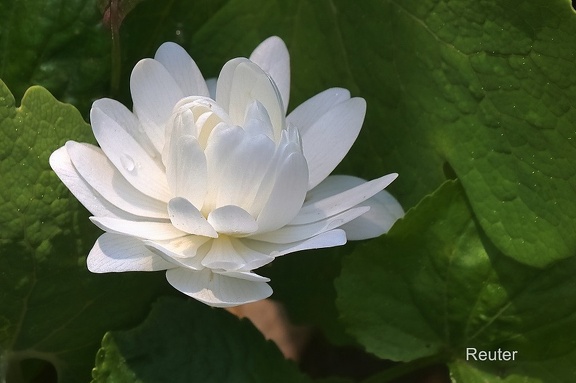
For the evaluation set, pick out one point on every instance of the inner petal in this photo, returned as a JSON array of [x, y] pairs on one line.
[[237, 163], [186, 170], [232, 220], [222, 255], [186, 217], [242, 82], [196, 116]]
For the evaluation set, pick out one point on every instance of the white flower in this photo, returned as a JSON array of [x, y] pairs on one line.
[[211, 187]]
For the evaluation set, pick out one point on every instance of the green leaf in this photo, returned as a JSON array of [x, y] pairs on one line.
[[529, 372], [59, 44], [435, 286], [483, 88], [490, 81], [186, 341], [52, 309]]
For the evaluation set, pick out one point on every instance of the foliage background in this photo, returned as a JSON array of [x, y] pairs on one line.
[[471, 102]]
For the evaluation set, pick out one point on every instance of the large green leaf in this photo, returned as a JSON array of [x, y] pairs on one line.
[[435, 286], [59, 44], [484, 88], [52, 308], [481, 86], [186, 341], [479, 90]]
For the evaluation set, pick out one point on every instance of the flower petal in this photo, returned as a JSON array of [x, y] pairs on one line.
[[144, 230], [215, 289], [232, 220], [129, 122], [230, 254], [253, 259], [241, 82], [257, 121], [154, 92], [327, 137], [294, 233], [188, 218], [273, 57], [330, 138], [183, 69], [222, 255], [336, 194], [98, 171], [128, 156], [166, 250], [307, 113], [287, 194], [186, 170], [211, 83], [249, 276], [118, 253], [183, 247], [384, 212], [92, 200], [331, 238], [237, 164]]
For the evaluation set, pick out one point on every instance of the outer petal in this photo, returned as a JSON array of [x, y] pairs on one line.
[[329, 124], [118, 253], [329, 139], [215, 289], [338, 193], [99, 172], [384, 209], [154, 92], [329, 238], [183, 69], [90, 198], [272, 56], [129, 122], [144, 230], [384, 212], [247, 275], [296, 233], [165, 251], [241, 82], [128, 156], [188, 246], [307, 113]]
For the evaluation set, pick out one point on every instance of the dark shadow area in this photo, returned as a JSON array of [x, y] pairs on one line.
[[321, 359], [31, 371]]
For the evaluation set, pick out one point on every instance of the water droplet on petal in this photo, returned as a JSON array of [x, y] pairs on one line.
[[127, 162]]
